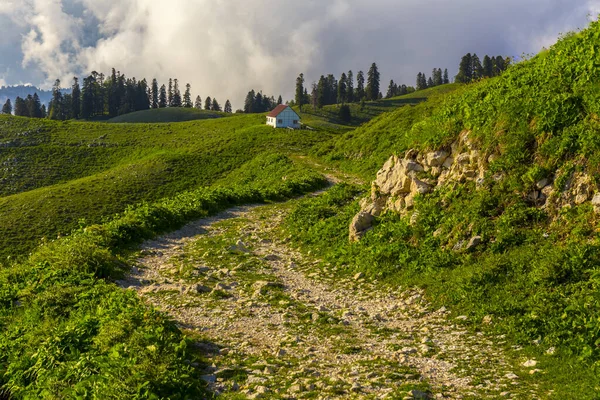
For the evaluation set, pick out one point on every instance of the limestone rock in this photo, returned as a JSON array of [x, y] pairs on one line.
[[474, 242], [362, 222], [436, 159]]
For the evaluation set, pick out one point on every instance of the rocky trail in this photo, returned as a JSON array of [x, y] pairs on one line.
[[277, 323]]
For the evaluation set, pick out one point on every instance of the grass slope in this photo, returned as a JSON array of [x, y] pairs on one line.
[[537, 273], [175, 114], [328, 116], [58, 173]]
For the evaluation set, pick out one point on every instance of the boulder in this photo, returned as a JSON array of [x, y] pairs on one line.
[[473, 242], [436, 159], [361, 222]]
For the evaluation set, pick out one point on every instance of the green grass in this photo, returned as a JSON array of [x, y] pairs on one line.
[[67, 332], [328, 116], [537, 272], [59, 173], [176, 114]]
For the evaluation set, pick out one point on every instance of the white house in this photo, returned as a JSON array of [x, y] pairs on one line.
[[283, 117]]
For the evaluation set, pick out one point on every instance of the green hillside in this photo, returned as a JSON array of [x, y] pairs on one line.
[[170, 114], [59, 173], [535, 275], [328, 116]]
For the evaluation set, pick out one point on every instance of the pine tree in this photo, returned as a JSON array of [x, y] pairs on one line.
[[360, 86], [279, 100], [87, 98], [437, 77], [430, 82], [299, 98], [155, 93], [476, 68], [322, 92], [43, 111], [198, 103], [57, 111], [350, 86], [391, 92], [215, 105], [76, 100], [314, 94], [499, 65], [21, 107], [176, 99], [187, 96], [170, 93], [488, 66], [373, 83], [208, 103], [35, 109], [446, 79], [465, 70], [249, 102], [228, 108], [421, 81], [342, 92], [7, 107], [162, 97]]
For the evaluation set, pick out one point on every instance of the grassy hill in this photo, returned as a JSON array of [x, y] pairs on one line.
[[328, 116], [176, 114], [58, 173], [536, 274]]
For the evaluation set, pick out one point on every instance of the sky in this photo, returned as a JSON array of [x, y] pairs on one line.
[[224, 48]]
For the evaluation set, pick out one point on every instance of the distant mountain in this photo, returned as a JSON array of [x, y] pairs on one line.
[[12, 92]]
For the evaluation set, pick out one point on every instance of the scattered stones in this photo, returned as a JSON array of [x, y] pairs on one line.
[[529, 363], [353, 349]]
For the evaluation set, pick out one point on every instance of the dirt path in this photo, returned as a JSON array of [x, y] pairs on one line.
[[287, 327]]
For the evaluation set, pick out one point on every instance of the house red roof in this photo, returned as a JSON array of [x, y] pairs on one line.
[[277, 110]]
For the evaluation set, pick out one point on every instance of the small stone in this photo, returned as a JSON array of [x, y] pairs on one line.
[[358, 276], [534, 371], [551, 351], [474, 242], [505, 394], [210, 379], [510, 375], [417, 394], [356, 387], [408, 350], [280, 353], [462, 317], [487, 320], [272, 257], [529, 363]]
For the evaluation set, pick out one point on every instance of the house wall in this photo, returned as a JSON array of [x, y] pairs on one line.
[[272, 122], [286, 119]]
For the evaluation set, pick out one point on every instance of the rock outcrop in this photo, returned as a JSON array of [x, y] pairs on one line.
[[400, 180]]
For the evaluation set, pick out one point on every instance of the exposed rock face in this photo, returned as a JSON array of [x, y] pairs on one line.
[[400, 180]]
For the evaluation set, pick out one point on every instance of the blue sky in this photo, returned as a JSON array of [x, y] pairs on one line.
[[224, 48]]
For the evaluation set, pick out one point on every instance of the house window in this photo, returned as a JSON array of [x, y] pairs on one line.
[[295, 122], [280, 121]]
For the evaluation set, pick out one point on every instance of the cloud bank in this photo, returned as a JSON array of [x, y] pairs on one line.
[[224, 48]]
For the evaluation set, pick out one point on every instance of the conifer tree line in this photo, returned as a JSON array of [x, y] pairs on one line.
[[27, 107], [330, 90], [257, 102], [437, 78], [109, 96], [471, 68]]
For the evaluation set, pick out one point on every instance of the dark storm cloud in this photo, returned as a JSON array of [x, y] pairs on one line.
[[226, 47]]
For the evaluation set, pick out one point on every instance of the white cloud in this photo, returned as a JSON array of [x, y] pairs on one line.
[[224, 48]]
